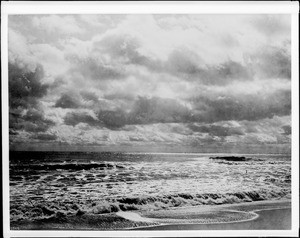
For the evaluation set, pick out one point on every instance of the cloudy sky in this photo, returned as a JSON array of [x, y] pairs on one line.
[[150, 82]]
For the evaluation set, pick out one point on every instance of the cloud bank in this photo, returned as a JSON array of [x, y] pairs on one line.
[[149, 80]]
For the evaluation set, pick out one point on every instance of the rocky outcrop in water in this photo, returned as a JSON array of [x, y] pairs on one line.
[[231, 158]]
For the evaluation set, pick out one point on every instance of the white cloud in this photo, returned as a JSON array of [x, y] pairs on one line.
[[52, 58], [54, 24], [19, 52]]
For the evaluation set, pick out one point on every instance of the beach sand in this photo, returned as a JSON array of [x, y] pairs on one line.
[[262, 215], [267, 215], [275, 219]]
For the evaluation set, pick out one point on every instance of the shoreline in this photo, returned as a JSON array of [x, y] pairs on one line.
[[252, 215], [251, 224], [267, 215]]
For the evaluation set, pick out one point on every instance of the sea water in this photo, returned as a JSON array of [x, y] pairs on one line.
[[44, 184]]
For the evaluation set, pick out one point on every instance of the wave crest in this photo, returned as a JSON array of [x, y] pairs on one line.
[[61, 210]]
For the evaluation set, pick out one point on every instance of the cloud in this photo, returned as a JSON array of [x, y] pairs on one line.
[[203, 109], [103, 118], [158, 110], [74, 118], [272, 25], [31, 121], [44, 137], [25, 90], [271, 62], [53, 59], [144, 111], [68, 101], [25, 86], [216, 130], [19, 53], [190, 66], [212, 108], [120, 96], [94, 20], [286, 129], [89, 96], [112, 119], [150, 79], [96, 69], [57, 24]]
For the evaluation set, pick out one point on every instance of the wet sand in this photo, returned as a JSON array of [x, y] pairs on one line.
[[85, 222], [263, 215], [275, 219]]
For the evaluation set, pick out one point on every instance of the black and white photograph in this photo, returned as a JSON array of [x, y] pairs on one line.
[[149, 122]]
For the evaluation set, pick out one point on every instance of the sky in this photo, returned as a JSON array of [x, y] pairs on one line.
[[169, 83]]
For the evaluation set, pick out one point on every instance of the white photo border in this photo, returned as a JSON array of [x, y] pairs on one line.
[[153, 7]]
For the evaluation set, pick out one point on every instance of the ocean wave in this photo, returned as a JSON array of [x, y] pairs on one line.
[[65, 166], [60, 210]]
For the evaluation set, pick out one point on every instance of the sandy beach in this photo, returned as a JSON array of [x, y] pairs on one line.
[[275, 219], [267, 215]]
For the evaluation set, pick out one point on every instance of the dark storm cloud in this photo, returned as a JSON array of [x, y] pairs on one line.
[[144, 111], [68, 100], [215, 130], [44, 137], [25, 90], [25, 86], [215, 108], [112, 119], [32, 121], [205, 109]]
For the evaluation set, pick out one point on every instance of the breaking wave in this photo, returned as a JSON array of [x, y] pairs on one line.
[[60, 211], [64, 166]]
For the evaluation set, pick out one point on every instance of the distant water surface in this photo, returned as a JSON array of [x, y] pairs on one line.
[[44, 184]]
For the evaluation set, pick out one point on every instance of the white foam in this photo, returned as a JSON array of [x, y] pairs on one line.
[[135, 217]]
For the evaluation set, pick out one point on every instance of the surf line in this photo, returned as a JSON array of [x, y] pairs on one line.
[[138, 218], [132, 216]]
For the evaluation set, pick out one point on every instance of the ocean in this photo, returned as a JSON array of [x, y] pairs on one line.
[[46, 184]]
